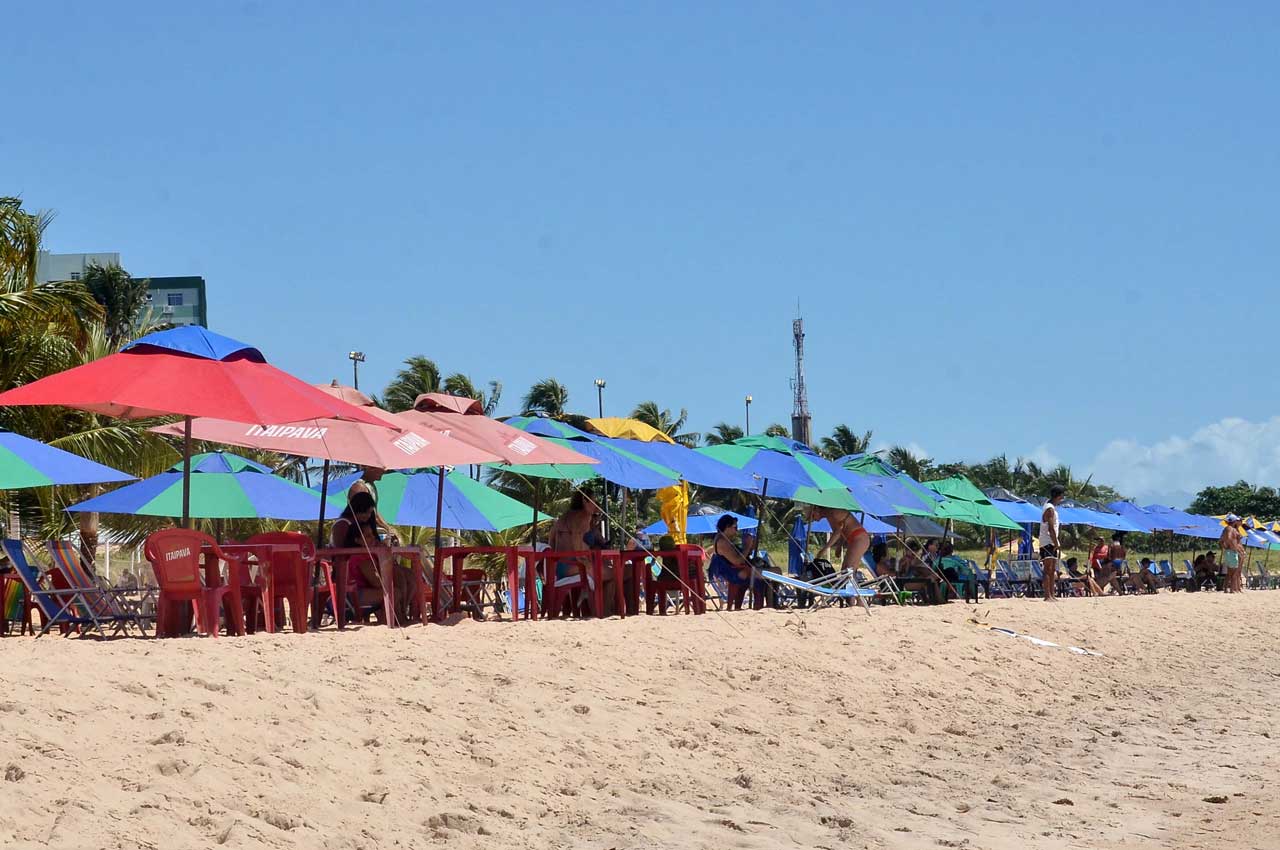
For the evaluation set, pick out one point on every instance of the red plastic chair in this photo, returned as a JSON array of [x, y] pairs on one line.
[[175, 555], [290, 578]]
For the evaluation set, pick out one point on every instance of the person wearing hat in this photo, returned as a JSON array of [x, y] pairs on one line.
[[1232, 549]]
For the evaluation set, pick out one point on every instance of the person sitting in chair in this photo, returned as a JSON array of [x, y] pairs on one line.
[[728, 562], [915, 575], [1144, 579], [358, 528], [1085, 577], [957, 572]]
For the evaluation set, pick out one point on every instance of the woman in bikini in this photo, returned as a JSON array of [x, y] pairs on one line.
[[843, 528]]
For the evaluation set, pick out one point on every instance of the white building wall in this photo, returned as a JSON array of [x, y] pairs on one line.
[[51, 266]]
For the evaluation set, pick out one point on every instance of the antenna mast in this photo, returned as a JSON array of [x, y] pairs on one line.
[[800, 419]]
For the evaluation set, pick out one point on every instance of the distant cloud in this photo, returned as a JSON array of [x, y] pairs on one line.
[[1174, 469], [1042, 457]]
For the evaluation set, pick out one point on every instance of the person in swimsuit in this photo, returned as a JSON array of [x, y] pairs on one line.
[[846, 529], [730, 564], [1232, 550]]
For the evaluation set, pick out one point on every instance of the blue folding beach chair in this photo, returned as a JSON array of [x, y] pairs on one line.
[[836, 588], [67, 608]]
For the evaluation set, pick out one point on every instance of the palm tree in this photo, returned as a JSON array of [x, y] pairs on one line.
[[460, 385], [21, 233], [548, 397], [650, 414], [905, 461], [419, 375], [121, 296], [843, 442], [776, 430], [723, 433]]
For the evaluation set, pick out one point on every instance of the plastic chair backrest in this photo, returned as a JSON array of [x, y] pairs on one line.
[[284, 563], [174, 554]]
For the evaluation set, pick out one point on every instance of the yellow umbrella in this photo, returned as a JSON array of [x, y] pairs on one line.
[[629, 429]]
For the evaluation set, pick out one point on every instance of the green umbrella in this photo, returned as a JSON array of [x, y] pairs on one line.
[[964, 502]]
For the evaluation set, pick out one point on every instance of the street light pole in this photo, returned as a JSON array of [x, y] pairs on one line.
[[600, 395], [748, 416], [356, 358]]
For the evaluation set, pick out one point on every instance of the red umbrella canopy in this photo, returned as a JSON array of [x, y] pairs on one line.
[[445, 403], [188, 371], [347, 442]]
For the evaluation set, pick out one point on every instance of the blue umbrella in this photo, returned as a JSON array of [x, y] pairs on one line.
[[703, 521], [875, 526], [223, 486], [29, 463], [1181, 522], [1019, 511]]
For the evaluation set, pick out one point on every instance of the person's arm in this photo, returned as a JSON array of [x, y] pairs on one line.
[[338, 533]]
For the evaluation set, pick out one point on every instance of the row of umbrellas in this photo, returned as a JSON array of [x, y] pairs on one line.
[[227, 393]]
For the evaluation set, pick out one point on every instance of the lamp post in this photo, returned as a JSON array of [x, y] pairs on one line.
[[356, 358], [748, 416], [600, 395]]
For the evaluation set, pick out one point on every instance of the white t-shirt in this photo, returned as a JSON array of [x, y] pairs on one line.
[[1046, 537]]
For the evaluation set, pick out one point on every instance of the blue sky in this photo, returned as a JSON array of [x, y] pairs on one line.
[[1009, 227]]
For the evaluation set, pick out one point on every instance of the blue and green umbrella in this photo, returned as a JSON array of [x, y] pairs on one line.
[[411, 499], [789, 469], [29, 463], [223, 486]]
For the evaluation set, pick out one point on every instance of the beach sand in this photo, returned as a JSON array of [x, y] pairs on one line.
[[913, 728]]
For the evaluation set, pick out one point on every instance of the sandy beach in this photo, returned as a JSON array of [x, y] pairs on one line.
[[913, 728]]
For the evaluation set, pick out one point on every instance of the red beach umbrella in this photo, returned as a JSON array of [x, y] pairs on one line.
[[189, 372]]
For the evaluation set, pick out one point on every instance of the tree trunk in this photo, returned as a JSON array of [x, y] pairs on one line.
[[89, 529]]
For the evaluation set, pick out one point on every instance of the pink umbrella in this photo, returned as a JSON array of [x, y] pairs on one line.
[[463, 418], [399, 447]]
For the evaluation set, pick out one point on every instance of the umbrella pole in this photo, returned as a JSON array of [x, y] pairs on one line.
[[438, 572], [315, 569], [533, 529], [186, 472], [755, 547]]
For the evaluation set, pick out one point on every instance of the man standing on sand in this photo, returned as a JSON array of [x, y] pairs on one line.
[[1050, 545], [1232, 549]]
